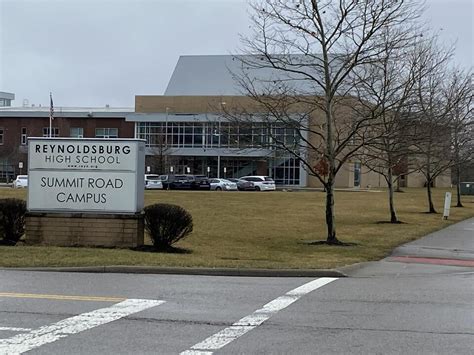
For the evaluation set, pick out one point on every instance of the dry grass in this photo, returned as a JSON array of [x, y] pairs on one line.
[[265, 230]]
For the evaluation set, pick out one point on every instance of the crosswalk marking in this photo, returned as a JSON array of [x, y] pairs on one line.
[[24, 342], [246, 324]]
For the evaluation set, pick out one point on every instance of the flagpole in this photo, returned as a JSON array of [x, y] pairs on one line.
[[50, 114]]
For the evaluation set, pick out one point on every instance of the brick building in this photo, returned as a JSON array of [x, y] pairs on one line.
[[19, 123]]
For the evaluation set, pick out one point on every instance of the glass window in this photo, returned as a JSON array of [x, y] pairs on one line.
[[54, 131], [106, 132], [76, 132], [24, 136], [1, 135]]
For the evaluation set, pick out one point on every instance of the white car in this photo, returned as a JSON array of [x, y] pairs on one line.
[[20, 181], [261, 183], [223, 185], [153, 181]]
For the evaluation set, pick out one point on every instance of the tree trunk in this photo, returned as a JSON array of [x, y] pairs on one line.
[[393, 213], [430, 197], [458, 186], [398, 184], [330, 218]]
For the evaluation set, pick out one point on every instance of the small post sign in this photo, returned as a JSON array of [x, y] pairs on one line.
[[85, 175], [447, 205]]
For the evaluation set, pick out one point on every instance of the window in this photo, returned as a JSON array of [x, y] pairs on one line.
[[24, 135], [76, 132], [1, 135], [54, 131], [106, 132]]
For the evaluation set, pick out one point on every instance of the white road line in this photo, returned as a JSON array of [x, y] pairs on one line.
[[21, 343], [246, 324], [13, 329]]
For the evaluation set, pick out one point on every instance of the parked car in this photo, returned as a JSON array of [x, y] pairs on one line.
[[153, 181], [175, 182], [243, 185], [185, 182], [223, 185], [261, 183], [20, 181], [201, 182]]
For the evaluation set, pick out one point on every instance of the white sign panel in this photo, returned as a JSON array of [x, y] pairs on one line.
[[447, 205], [85, 175], [82, 154]]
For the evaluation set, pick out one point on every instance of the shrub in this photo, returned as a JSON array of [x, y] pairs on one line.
[[167, 224], [12, 220]]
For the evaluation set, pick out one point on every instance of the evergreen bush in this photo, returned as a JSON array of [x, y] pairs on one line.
[[166, 224], [12, 220]]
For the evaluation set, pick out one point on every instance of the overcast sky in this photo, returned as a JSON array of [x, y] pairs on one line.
[[98, 52]]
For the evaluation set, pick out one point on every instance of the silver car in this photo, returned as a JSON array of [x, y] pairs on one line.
[[153, 181], [261, 183], [223, 185]]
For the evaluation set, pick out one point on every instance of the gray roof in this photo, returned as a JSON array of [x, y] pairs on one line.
[[214, 75], [43, 111], [7, 95]]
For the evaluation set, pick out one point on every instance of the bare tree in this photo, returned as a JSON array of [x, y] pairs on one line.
[[462, 127], [160, 151], [385, 89], [306, 85], [433, 112]]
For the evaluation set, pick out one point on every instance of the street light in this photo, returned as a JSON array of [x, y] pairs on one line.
[[223, 103], [166, 127]]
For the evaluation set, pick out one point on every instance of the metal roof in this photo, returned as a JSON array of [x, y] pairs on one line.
[[214, 75], [7, 95]]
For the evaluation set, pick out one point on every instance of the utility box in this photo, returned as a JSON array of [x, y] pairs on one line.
[[467, 188]]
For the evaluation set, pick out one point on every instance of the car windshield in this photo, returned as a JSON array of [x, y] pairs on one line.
[[268, 178], [22, 177]]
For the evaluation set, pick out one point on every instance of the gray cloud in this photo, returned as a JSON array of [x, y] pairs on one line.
[[92, 53]]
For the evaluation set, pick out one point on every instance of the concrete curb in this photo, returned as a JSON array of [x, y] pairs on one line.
[[192, 271], [352, 268]]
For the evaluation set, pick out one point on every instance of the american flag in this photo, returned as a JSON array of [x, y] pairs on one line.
[[51, 107]]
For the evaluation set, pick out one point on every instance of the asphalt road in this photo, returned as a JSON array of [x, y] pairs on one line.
[[424, 313], [386, 307]]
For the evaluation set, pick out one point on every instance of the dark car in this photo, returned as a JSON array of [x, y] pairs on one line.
[[201, 182], [243, 185], [185, 182]]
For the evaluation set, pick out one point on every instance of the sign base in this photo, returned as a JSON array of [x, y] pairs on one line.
[[85, 229]]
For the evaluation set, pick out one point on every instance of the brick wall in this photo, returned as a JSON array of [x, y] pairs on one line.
[[81, 229]]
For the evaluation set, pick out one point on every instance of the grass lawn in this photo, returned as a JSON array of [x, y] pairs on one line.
[[265, 230]]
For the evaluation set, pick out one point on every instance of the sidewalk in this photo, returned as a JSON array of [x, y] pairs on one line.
[[449, 250], [453, 242]]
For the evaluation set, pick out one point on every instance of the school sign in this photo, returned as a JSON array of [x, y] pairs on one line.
[[85, 175]]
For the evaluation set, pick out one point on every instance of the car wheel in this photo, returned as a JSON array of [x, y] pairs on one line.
[[218, 188], [257, 188]]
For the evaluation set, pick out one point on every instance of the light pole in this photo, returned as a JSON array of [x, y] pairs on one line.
[[219, 142], [166, 127], [219, 150]]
